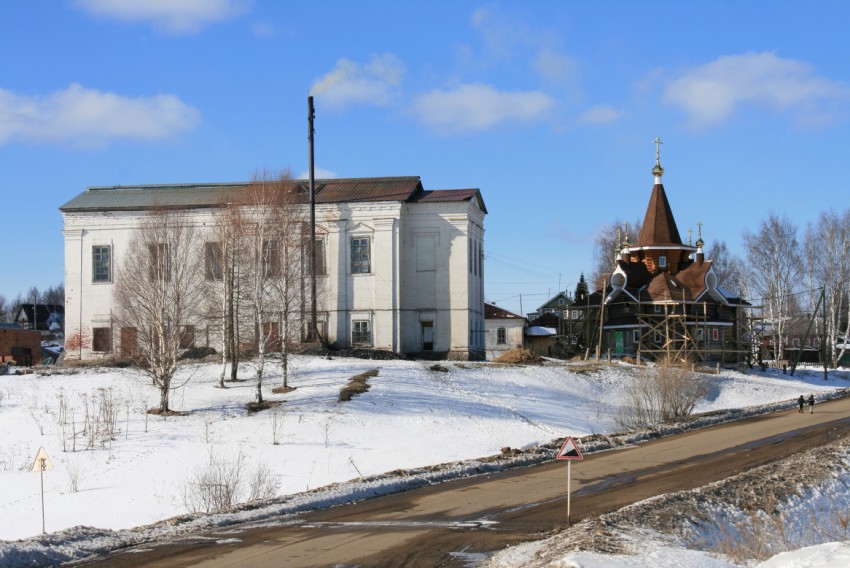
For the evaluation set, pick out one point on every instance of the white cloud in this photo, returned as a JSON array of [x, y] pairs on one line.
[[556, 66], [319, 173], [350, 83], [86, 117], [263, 30], [170, 16], [476, 107], [601, 114], [711, 93]]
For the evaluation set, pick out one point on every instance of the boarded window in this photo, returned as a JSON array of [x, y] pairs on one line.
[[187, 337], [102, 339], [271, 258], [213, 261], [426, 253], [321, 269], [129, 341]]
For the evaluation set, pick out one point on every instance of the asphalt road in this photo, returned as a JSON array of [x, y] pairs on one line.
[[455, 522]]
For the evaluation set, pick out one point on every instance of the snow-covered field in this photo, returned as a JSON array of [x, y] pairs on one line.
[[412, 417]]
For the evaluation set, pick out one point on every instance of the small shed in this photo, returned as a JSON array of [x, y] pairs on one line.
[[20, 345]]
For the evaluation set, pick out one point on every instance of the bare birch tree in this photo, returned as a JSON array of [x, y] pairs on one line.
[[607, 246], [291, 292], [728, 267], [261, 227], [157, 292], [826, 244], [222, 274], [773, 254]]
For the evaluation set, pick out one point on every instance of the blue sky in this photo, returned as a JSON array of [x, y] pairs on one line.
[[550, 108]]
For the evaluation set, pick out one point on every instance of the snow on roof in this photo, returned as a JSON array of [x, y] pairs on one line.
[[540, 331]]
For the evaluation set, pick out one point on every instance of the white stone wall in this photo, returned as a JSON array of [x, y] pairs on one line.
[[513, 336], [421, 272]]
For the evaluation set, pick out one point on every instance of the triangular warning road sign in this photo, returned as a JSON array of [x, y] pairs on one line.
[[42, 462], [569, 451]]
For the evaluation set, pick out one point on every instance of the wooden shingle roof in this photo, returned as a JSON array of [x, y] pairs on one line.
[[659, 226]]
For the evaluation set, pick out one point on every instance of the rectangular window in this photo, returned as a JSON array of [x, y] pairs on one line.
[[101, 339], [158, 268], [321, 270], [636, 336], [360, 333], [101, 264], [662, 262], [699, 334], [187, 337], [129, 341], [657, 308], [271, 258], [360, 256], [213, 261], [715, 334], [575, 314], [501, 336], [658, 337]]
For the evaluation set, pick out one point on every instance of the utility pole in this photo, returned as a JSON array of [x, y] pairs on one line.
[[314, 331]]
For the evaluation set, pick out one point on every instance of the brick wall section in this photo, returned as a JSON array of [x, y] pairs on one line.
[[10, 338]]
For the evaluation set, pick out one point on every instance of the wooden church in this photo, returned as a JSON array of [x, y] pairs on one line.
[[662, 298]]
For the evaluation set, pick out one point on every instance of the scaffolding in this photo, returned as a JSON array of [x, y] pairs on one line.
[[680, 331]]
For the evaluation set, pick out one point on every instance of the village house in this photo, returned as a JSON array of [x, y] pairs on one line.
[[503, 331], [400, 267], [662, 298]]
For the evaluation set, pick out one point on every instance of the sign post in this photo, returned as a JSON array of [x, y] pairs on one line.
[[569, 451], [42, 463]]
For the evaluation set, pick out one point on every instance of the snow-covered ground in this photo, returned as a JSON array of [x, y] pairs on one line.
[[412, 417]]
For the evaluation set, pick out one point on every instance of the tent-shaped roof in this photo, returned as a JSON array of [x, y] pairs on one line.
[[659, 226]]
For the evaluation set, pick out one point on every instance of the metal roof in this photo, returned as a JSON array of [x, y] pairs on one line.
[[199, 195]]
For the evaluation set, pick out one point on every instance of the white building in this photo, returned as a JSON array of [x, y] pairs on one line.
[[503, 331], [402, 268]]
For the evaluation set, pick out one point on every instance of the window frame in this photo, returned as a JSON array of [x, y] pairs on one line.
[[213, 261], [361, 262], [362, 336], [100, 335], [156, 270], [501, 336], [96, 263], [662, 261], [271, 264]]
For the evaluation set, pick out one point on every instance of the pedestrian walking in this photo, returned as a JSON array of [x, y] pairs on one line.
[[801, 401], [811, 404]]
